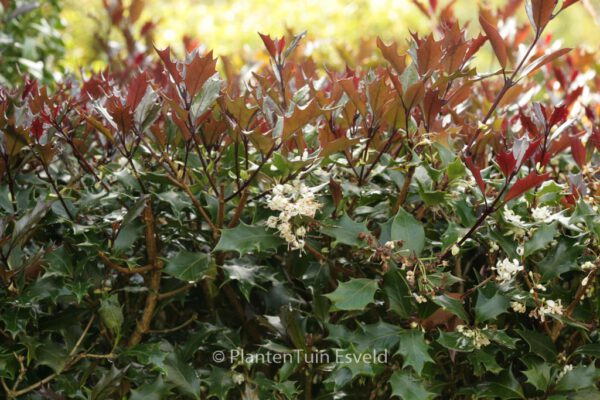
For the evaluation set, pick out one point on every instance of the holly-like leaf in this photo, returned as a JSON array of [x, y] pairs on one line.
[[170, 66], [245, 239], [346, 231], [560, 259], [407, 387], [299, 118], [538, 373], [539, 344], [352, 92], [219, 382], [398, 293], [354, 294], [181, 375], [198, 71], [488, 308], [579, 378], [137, 90], [496, 40], [524, 184], [188, 266], [390, 53], [505, 386], [451, 304], [410, 231], [414, 349], [541, 238]]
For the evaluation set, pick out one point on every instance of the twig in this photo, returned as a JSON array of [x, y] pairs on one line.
[[175, 292], [143, 324], [176, 328], [124, 270]]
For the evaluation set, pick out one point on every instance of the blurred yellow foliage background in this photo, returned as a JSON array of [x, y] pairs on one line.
[[229, 26]]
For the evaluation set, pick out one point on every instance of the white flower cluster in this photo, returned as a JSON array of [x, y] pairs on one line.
[[511, 217], [476, 336], [507, 269], [566, 368], [419, 298], [542, 214], [518, 307], [588, 265], [548, 307], [291, 200]]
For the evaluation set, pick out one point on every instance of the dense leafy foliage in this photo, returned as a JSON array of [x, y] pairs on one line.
[[413, 229], [30, 41]]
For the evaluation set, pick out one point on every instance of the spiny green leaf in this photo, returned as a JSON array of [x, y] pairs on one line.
[[489, 308], [410, 231], [188, 266], [451, 304], [354, 294], [408, 387], [346, 231], [413, 349], [245, 239]]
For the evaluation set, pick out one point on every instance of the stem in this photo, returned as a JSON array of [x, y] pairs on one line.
[[143, 324], [55, 188], [508, 83], [404, 191], [11, 184]]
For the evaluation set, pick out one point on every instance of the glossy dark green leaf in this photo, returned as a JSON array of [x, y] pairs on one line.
[[354, 294], [188, 266], [245, 239]]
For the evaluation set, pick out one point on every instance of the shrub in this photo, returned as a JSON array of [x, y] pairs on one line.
[[30, 41], [430, 229]]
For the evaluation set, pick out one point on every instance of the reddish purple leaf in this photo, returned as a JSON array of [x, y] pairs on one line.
[[37, 128], [476, 173], [524, 184], [269, 44], [578, 151], [137, 90], [559, 115], [507, 163], [170, 66]]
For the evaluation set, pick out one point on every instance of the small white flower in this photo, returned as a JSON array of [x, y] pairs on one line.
[[475, 335], [511, 217], [542, 214], [410, 277], [507, 269], [291, 200], [548, 307], [587, 265], [563, 372], [540, 287], [585, 281], [520, 250], [494, 246], [518, 307], [420, 299], [237, 378], [390, 244], [272, 221], [455, 250]]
